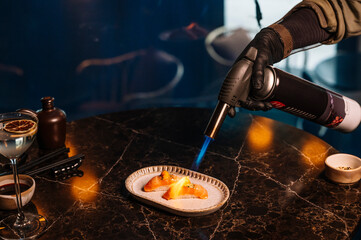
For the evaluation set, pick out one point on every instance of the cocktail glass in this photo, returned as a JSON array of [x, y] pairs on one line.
[[17, 133]]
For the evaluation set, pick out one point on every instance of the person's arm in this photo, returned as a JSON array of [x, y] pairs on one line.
[[341, 18]]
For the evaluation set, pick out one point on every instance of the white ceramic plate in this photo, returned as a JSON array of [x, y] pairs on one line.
[[218, 192]]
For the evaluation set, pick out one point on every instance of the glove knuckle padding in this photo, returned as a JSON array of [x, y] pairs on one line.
[[269, 50]]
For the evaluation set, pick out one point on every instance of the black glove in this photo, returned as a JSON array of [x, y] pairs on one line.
[[299, 29], [269, 51]]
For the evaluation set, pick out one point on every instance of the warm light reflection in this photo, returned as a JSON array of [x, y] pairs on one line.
[[72, 149], [260, 134], [39, 209], [314, 151], [85, 188]]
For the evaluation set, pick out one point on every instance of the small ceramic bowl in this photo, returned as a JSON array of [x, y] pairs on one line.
[[8, 201], [343, 168]]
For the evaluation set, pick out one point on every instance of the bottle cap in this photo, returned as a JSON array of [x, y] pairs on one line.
[[47, 102]]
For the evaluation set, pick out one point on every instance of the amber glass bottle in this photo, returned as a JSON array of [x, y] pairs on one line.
[[52, 125]]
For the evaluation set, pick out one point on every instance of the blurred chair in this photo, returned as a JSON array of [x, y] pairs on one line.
[[187, 44], [132, 80], [341, 73], [224, 45]]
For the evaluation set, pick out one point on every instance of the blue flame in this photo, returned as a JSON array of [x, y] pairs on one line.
[[200, 156]]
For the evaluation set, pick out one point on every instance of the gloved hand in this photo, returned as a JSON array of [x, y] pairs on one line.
[[269, 51], [298, 29]]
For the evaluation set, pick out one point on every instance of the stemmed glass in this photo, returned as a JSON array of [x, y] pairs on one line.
[[17, 133]]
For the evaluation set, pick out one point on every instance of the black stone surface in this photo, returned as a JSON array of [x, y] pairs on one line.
[[275, 174]]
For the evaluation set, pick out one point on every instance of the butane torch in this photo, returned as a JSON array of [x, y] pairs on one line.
[[235, 88], [285, 92]]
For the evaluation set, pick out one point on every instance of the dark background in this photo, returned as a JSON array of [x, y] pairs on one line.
[[43, 42]]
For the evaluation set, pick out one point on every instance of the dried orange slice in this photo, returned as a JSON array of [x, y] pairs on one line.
[[20, 126]]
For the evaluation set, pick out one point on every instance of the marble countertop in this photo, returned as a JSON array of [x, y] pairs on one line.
[[275, 174]]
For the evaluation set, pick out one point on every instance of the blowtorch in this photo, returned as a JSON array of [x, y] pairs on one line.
[[285, 92]]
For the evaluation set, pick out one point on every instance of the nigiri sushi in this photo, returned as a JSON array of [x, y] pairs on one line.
[[185, 189], [161, 182]]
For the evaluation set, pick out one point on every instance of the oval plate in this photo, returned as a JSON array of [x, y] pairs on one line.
[[218, 192]]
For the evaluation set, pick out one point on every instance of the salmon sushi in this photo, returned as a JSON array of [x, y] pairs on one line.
[[185, 189], [161, 182]]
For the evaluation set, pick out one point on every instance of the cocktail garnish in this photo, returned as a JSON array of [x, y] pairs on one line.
[[20, 126]]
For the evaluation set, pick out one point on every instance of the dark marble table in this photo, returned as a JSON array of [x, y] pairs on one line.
[[274, 173]]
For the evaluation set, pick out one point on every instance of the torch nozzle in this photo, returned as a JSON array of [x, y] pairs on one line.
[[218, 116]]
